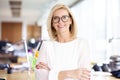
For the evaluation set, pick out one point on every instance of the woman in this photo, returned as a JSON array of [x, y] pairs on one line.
[[64, 57]]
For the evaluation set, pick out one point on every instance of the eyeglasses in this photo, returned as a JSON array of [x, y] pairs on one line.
[[64, 18]]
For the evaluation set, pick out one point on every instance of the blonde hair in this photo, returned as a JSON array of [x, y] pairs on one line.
[[51, 30]]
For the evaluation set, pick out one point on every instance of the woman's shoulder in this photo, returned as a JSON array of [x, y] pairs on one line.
[[82, 41], [47, 42]]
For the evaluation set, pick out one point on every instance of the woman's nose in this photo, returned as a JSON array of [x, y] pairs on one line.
[[60, 21]]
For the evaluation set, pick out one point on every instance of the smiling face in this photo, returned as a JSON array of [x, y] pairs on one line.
[[61, 21]]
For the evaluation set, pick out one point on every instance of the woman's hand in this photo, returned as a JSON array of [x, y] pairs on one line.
[[42, 65], [82, 74]]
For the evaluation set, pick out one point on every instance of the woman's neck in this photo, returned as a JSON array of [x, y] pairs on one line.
[[64, 38]]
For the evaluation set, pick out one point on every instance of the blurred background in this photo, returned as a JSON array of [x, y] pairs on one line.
[[98, 21]]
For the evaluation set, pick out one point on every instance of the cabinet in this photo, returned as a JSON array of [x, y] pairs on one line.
[[33, 31]]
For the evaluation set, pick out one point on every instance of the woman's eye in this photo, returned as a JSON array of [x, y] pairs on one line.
[[65, 17], [55, 18]]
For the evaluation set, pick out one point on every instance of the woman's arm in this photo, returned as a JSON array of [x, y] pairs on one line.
[[82, 74], [42, 69]]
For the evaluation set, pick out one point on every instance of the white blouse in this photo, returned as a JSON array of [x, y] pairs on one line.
[[62, 56]]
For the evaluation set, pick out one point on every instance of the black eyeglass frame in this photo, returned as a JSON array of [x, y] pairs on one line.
[[62, 18]]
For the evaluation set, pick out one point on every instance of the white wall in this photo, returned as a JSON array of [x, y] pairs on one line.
[[98, 20], [113, 26]]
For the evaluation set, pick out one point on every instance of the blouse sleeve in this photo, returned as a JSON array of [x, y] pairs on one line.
[[53, 74], [42, 74], [85, 58]]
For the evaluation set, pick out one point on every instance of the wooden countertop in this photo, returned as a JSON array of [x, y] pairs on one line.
[[103, 76], [29, 75], [23, 75]]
